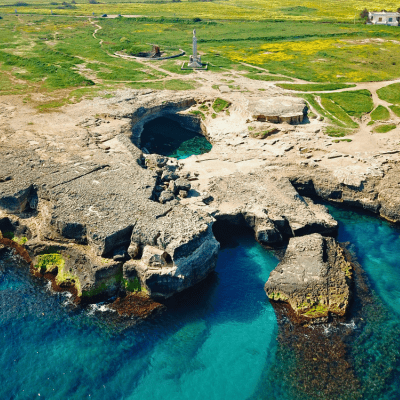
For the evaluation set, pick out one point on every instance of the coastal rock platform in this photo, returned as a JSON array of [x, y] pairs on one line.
[[92, 207]]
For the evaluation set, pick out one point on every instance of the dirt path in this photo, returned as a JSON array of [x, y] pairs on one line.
[[147, 64], [212, 80]]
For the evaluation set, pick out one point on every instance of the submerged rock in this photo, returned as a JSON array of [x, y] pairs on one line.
[[313, 278]]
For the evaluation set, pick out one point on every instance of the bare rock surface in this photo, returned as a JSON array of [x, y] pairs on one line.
[[270, 206], [278, 109], [313, 277], [77, 178]]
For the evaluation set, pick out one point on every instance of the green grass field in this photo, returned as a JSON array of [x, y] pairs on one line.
[[320, 44]]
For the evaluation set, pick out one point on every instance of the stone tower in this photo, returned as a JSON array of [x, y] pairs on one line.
[[195, 60]]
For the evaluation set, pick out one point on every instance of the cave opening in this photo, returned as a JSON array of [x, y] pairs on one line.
[[174, 136]]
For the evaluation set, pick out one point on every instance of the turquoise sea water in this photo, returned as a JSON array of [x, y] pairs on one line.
[[216, 341], [211, 343], [168, 138], [377, 246]]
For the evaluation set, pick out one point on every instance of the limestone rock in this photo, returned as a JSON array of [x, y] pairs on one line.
[[120, 254], [313, 278], [154, 257], [278, 109], [179, 250], [182, 184], [183, 194], [133, 250], [129, 270], [166, 196], [271, 207], [156, 161], [172, 187]]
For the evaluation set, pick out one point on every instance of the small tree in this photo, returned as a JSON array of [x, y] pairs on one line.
[[364, 13]]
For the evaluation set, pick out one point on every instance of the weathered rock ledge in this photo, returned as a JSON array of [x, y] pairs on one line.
[[100, 229], [103, 219], [314, 278]]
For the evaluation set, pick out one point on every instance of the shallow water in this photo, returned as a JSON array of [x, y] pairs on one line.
[[168, 138], [217, 341]]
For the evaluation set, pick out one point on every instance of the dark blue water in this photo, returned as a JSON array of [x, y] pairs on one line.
[[168, 138], [217, 341]]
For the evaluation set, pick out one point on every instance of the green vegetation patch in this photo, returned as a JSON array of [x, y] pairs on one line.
[[176, 84], [73, 97], [267, 78], [390, 93], [7, 86], [314, 87], [396, 110], [278, 296], [21, 240], [335, 131], [173, 84], [341, 140], [298, 10], [54, 76], [65, 276], [384, 128], [199, 113], [220, 104], [132, 286], [355, 103], [380, 113], [314, 103], [49, 262], [343, 119], [316, 311]]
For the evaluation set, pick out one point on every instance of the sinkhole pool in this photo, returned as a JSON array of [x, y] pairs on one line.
[[215, 341], [167, 137]]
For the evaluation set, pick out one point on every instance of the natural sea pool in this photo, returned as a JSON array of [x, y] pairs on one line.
[[167, 137], [216, 341]]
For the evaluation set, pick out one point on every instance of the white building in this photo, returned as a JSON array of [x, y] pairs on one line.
[[384, 18]]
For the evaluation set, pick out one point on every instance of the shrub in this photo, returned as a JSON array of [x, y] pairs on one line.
[[364, 13]]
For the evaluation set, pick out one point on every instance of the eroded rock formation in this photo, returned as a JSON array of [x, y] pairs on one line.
[[105, 214], [313, 277], [278, 109], [104, 218], [270, 206]]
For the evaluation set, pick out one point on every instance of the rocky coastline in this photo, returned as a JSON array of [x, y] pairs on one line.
[[91, 211]]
